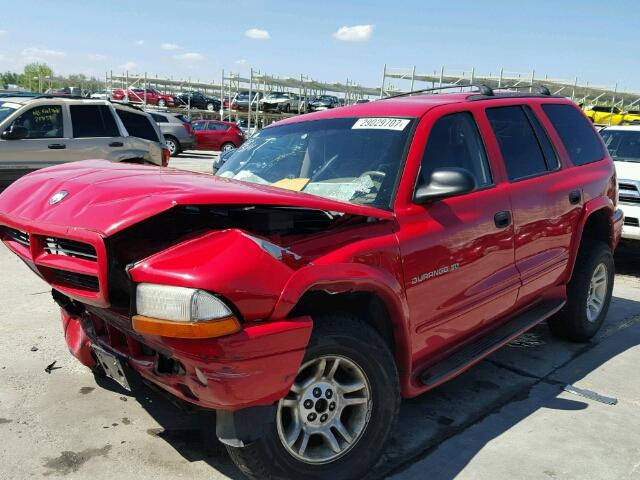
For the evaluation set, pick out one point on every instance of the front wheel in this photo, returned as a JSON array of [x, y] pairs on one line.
[[227, 146], [210, 107], [588, 294], [162, 103], [341, 408]]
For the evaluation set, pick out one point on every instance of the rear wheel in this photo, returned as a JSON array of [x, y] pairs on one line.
[[210, 107], [341, 408], [173, 145], [588, 294], [162, 103], [227, 146]]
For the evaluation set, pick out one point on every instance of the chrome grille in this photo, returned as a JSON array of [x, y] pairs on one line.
[[631, 222], [629, 191], [70, 248]]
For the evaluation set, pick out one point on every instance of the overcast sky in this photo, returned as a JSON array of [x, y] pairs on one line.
[[329, 41]]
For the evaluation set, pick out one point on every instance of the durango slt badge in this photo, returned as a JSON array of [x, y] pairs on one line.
[[58, 197]]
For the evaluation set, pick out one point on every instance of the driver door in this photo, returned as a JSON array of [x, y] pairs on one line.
[[458, 252], [45, 144]]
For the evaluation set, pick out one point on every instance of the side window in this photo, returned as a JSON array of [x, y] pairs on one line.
[[519, 145], [550, 156], [138, 125], [44, 121], [455, 141], [199, 126], [159, 118], [92, 121], [577, 135]]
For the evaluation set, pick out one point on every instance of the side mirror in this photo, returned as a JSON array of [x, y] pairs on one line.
[[445, 182], [15, 132]]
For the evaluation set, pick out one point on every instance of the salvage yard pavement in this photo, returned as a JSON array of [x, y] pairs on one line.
[[538, 408], [200, 161]]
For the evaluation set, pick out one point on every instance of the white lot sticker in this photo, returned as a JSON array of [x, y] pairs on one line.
[[381, 123]]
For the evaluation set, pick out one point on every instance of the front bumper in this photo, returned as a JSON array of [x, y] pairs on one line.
[[631, 226], [253, 367]]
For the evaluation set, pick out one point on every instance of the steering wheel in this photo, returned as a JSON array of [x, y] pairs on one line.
[[324, 167], [374, 173]]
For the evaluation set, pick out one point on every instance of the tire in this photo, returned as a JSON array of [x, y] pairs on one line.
[[162, 103], [173, 145], [210, 107], [355, 344], [577, 321], [227, 146]]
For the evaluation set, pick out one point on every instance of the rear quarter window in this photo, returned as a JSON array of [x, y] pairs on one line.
[[138, 125], [576, 133]]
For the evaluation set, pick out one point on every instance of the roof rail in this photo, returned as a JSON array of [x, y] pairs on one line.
[[539, 88], [62, 95], [482, 90]]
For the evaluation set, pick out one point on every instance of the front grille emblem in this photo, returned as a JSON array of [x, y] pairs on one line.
[[58, 197]]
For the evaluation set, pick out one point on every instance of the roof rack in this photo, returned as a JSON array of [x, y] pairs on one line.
[[541, 89], [62, 95], [482, 90]]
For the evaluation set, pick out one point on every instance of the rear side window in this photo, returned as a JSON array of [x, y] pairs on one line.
[[159, 118], [577, 135], [138, 125], [93, 121], [520, 147], [454, 141]]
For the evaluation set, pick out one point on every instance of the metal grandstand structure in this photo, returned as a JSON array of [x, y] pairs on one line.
[[397, 80], [394, 81]]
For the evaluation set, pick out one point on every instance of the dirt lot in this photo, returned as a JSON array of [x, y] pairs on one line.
[[509, 417]]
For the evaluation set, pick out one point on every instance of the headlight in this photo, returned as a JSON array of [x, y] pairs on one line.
[[179, 304]]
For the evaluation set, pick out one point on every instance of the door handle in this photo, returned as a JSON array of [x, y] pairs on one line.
[[574, 197], [57, 146], [502, 219], [116, 144]]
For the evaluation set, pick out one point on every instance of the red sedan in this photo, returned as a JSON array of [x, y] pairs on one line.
[[138, 95], [217, 135]]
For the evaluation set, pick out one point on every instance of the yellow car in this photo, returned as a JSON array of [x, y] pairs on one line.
[[610, 116]]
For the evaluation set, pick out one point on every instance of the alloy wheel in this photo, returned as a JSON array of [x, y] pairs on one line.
[[326, 411], [597, 292]]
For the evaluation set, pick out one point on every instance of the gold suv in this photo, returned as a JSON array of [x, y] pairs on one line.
[[37, 132]]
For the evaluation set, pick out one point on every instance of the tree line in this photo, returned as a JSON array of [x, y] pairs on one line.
[[38, 77]]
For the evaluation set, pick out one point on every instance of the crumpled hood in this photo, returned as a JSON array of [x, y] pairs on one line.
[[108, 197]]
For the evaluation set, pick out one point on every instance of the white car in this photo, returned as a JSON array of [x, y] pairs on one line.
[[623, 143]]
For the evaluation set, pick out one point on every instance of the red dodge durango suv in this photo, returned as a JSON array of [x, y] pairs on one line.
[[337, 263]]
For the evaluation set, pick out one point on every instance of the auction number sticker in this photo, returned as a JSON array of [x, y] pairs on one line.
[[381, 123]]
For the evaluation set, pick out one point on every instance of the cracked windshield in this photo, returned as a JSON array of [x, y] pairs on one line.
[[356, 160]]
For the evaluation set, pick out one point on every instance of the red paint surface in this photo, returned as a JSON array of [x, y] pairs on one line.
[[501, 271]]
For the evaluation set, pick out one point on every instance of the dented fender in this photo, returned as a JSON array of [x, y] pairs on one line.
[[353, 277], [230, 263]]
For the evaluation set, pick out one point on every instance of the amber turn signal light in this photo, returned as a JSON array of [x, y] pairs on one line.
[[201, 329]]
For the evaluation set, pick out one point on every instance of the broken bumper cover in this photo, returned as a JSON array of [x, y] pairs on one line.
[[253, 367]]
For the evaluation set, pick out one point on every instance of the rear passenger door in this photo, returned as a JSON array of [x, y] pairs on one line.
[[95, 133], [546, 199], [144, 140]]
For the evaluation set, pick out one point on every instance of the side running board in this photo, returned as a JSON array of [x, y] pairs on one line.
[[478, 349]]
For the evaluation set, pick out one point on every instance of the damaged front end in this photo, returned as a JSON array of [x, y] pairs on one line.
[[232, 246], [243, 255]]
